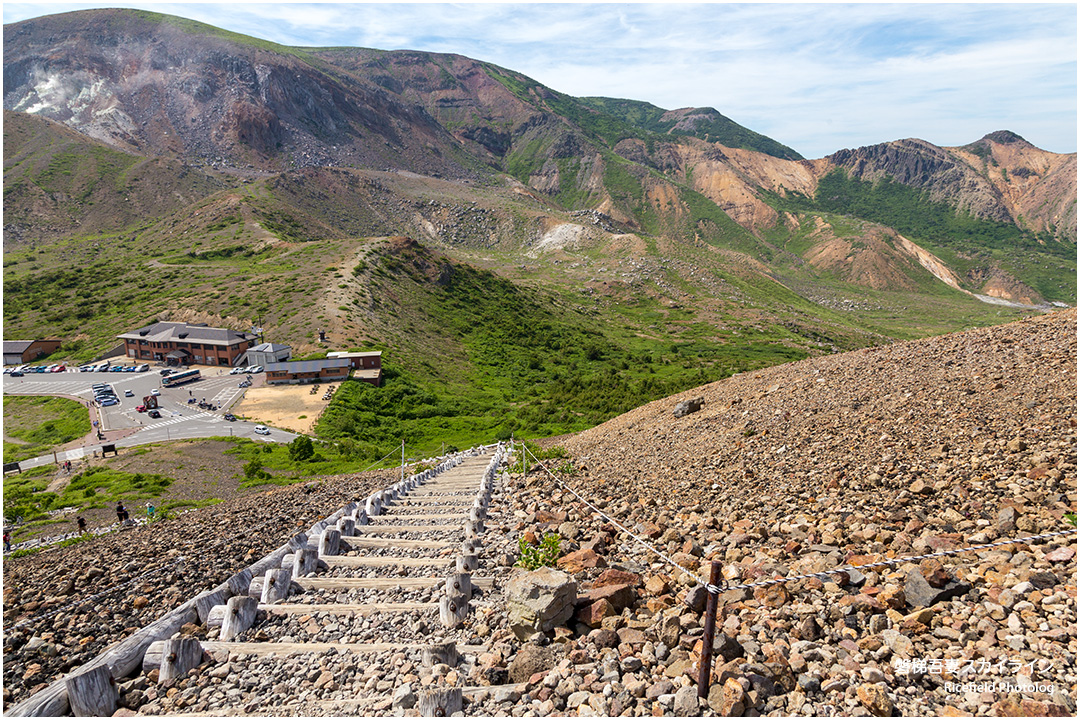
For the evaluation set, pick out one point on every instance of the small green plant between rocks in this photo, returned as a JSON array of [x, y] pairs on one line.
[[532, 557]]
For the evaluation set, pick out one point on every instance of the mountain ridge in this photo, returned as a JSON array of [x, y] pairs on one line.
[[329, 146]]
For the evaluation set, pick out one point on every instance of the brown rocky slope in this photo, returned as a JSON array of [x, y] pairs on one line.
[[54, 620], [883, 453]]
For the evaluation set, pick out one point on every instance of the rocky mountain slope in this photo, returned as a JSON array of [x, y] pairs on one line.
[[877, 454], [888, 452], [141, 574], [244, 183]]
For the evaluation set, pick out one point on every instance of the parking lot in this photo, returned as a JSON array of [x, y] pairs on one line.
[[180, 419]]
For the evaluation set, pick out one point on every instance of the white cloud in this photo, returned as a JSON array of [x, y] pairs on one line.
[[815, 77]]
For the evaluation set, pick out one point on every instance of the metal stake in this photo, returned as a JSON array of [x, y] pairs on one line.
[[705, 664]]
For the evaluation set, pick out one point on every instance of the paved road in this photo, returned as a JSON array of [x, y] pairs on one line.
[[124, 427]]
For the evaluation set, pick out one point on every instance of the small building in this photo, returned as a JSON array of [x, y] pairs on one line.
[[178, 343], [307, 371], [360, 360], [367, 366], [19, 352], [266, 354]]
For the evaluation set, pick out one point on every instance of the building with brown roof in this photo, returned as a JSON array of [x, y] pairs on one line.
[[17, 352], [177, 343]]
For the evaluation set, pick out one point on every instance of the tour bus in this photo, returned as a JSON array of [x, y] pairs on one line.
[[180, 378]]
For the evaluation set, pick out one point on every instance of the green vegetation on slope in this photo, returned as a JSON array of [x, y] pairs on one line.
[[41, 424], [95, 487], [1038, 260], [533, 368], [710, 125]]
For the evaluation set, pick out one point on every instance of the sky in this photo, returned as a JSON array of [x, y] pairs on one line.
[[816, 77]]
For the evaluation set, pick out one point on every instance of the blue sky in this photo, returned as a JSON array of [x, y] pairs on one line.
[[816, 77]]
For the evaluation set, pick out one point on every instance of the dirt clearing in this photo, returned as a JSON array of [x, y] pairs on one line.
[[290, 407]]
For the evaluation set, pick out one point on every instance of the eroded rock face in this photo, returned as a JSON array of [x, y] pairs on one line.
[[540, 600]]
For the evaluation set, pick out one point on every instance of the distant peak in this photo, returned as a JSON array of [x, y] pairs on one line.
[[1004, 137]]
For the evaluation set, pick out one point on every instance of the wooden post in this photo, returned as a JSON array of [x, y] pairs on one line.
[[705, 664], [347, 526], [459, 584], [443, 702], [361, 518], [445, 653], [207, 600], [471, 531], [304, 562], [256, 587], [276, 586], [93, 692], [213, 619], [178, 656], [452, 611], [467, 563], [239, 616], [239, 583], [152, 659], [330, 542]]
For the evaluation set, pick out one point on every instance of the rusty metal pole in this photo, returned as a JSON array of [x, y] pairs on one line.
[[705, 664]]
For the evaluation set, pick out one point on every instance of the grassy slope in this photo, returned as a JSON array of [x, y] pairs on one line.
[[39, 424], [1040, 261], [719, 129], [58, 182]]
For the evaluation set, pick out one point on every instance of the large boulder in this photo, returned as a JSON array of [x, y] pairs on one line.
[[539, 601]]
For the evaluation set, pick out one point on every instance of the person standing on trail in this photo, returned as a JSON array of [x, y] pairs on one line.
[[7, 540], [121, 512], [82, 523]]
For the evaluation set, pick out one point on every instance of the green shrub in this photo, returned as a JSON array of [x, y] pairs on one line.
[[534, 558], [301, 449]]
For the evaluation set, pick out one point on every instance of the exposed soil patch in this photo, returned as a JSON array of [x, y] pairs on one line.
[[292, 407]]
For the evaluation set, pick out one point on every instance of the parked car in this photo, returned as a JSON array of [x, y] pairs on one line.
[[142, 368], [256, 369], [109, 402], [16, 373], [154, 414], [236, 371], [58, 368], [262, 430]]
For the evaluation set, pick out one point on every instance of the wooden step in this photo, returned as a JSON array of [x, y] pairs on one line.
[[419, 516], [349, 561], [384, 529], [346, 609], [468, 691], [265, 648], [357, 541], [320, 583]]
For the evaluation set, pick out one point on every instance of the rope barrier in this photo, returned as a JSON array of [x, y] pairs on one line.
[[717, 589]]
